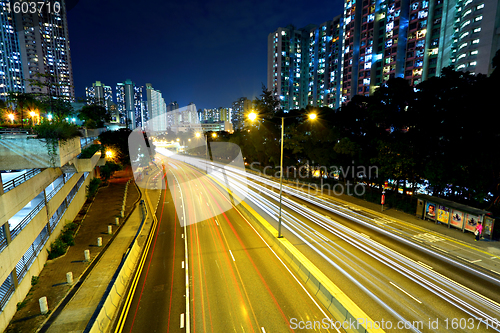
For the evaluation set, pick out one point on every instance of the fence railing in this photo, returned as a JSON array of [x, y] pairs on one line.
[[6, 289], [9, 185], [14, 232]]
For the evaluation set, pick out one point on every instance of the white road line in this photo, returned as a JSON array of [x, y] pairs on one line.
[[437, 248], [188, 321], [263, 330], [495, 272], [182, 235], [216, 222], [463, 258], [425, 265], [231, 253], [182, 320], [208, 204], [405, 292], [478, 260], [183, 264]]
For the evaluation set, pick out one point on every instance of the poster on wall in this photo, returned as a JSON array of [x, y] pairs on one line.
[[430, 211], [443, 214], [457, 219], [487, 226], [471, 222]]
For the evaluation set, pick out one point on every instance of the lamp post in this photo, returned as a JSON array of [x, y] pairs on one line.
[[252, 116], [11, 117]]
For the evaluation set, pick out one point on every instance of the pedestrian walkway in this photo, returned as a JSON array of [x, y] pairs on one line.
[[52, 280]]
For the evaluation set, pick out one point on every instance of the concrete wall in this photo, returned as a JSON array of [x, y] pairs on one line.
[[14, 200], [29, 153], [24, 242]]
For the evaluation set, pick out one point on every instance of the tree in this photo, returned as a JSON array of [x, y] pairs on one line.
[[59, 108], [22, 103], [94, 115], [118, 142]]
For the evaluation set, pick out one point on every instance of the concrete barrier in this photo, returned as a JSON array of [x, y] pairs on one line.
[[118, 288]]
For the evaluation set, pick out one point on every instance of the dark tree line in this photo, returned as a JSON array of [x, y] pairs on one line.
[[442, 134]]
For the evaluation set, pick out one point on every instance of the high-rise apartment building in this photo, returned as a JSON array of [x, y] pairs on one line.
[[130, 105], [300, 63], [35, 47], [375, 40], [11, 69], [157, 110], [240, 107], [216, 114], [99, 94]]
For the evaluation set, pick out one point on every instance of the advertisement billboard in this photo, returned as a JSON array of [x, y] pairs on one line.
[[457, 219]]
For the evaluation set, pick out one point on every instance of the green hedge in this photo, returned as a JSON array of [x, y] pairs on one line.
[[90, 151]]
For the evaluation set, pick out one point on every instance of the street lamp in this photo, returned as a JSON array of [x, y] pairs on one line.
[[11, 117], [253, 116]]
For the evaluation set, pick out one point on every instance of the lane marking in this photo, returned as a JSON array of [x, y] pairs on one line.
[[183, 264], [438, 248], [263, 330], [182, 320], [231, 253], [425, 265], [405, 292], [478, 260], [216, 222], [463, 258], [495, 272]]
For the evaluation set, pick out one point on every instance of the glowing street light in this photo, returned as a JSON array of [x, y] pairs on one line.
[[11, 117], [214, 135], [252, 116], [109, 154], [198, 134]]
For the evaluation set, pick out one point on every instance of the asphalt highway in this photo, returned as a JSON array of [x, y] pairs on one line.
[[208, 270]]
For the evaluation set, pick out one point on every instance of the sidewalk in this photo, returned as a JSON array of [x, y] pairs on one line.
[[52, 280]]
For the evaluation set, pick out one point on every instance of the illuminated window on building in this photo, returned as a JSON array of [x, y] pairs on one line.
[[473, 63], [474, 52], [465, 24], [475, 41], [421, 33], [417, 72], [463, 45], [414, 6], [418, 63], [481, 6], [476, 30], [465, 34], [461, 67], [478, 18], [461, 56], [422, 14]]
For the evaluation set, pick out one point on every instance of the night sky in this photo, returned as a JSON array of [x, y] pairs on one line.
[[206, 52]]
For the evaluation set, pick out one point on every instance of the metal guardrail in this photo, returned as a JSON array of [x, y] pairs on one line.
[[14, 131], [55, 190], [26, 220], [7, 186]]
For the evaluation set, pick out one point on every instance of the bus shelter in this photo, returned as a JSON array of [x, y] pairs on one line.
[[454, 215]]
